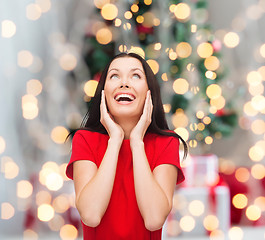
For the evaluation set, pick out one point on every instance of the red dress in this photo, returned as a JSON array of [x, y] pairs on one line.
[[122, 219]]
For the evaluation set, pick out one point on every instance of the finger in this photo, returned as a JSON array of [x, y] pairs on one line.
[[103, 101], [150, 110], [146, 103], [150, 104], [149, 101]]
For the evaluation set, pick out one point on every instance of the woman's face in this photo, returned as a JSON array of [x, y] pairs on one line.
[[125, 88]]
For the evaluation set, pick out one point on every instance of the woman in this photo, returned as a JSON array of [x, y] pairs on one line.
[[125, 161]]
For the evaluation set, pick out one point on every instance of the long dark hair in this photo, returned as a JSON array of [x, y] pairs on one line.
[[91, 120]]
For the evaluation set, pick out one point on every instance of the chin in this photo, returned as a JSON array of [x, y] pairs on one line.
[[126, 114]]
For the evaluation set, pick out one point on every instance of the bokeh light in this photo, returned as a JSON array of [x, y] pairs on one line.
[[196, 207], [128, 15], [208, 140], [2, 145], [153, 65], [7, 211], [172, 55], [187, 223], [213, 91], [68, 61], [148, 19], [140, 19], [256, 153], [212, 63], [183, 50], [262, 50], [253, 212], [258, 102], [61, 204], [256, 89], [43, 197], [217, 103], [137, 50], [118, 23], [258, 171], [217, 234], [90, 87], [254, 78], [240, 201], [45, 212], [24, 189], [206, 120], [200, 114], [59, 134], [34, 87], [68, 232], [180, 86], [182, 12], [205, 50], [56, 223], [109, 11], [193, 143], [30, 108], [211, 75], [242, 174], [45, 5], [147, 2], [180, 119], [249, 110], [9, 167], [127, 26], [211, 222], [231, 39], [164, 77], [183, 132], [260, 202], [258, 126], [227, 166], [100, 3], [166, 107], [254, 11], [33, 11], [30, 234], [104, 36], [235, 233], [8, 29], [54, 181], [134, 8], [24, 58]]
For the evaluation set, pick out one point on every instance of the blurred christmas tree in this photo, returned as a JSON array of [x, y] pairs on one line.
[[179, 45]]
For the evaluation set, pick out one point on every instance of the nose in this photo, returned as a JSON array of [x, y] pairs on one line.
[[124, 83]]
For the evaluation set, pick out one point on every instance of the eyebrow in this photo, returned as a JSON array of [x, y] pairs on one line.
[[133, 69]]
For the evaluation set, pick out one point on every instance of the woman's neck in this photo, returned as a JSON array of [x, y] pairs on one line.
[[127, 124]]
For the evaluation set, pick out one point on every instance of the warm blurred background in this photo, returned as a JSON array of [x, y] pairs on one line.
[[209, 58]]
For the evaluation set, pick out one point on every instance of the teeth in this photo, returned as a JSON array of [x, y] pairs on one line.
[[124, 95]]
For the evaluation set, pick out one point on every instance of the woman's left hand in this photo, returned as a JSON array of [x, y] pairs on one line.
[[138, 132]]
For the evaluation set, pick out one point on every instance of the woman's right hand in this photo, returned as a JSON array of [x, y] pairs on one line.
[[114, 130]]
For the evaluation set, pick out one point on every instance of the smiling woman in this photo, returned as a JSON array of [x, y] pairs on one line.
[[125, 160], [125, 90]]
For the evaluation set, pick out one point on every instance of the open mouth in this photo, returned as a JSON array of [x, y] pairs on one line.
[[124, 98]]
